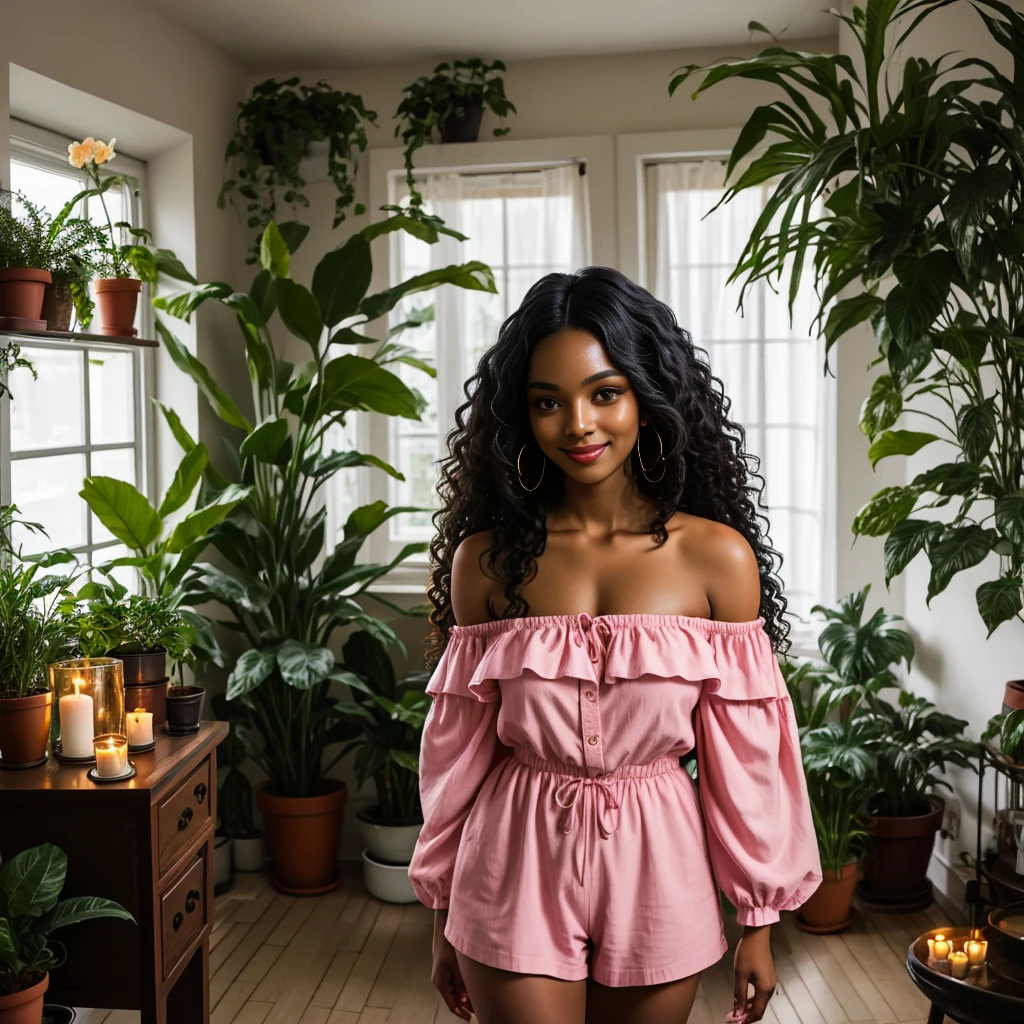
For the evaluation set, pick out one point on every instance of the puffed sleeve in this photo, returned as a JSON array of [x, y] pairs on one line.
[[751, 782], [458, 748]]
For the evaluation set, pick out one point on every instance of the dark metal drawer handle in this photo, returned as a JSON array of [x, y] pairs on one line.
[[186, 817], [200, 792], [178, 918], [191, 900]]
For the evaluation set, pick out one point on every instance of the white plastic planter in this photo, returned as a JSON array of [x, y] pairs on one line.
[[221, 861], [249, 853], [393, 844], [388, 882]]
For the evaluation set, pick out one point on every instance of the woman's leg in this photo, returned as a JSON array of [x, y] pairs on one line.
[[667, 1003], [509, 997]]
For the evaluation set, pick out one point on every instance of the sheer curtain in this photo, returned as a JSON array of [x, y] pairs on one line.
[[523, 225], [773, 372]]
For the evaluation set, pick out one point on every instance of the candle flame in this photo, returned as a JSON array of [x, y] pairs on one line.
[[940, 937], [78, 684]]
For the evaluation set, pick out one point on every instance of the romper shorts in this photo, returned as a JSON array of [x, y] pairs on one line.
[[571, 874]]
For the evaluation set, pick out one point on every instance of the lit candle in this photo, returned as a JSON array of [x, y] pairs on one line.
[[76, 728], [941, 947], [140, 727], [959, 964], [111, 758], [977, 950]]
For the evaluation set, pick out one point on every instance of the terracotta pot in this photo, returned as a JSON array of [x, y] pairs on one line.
[[142, 666], [58, 306], [22, 290], [26, 1006], [901, 848], [184, 707], [304, 834], [24, 729], [117, 298], [830, 905], [1013, 696]]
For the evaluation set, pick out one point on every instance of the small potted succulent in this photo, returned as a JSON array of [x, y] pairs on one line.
[[23, 273], [32, 634], [279, 131], [30, 885], [452, 100]]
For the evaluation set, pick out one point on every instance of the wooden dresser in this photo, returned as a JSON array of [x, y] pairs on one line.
[[147, 843]]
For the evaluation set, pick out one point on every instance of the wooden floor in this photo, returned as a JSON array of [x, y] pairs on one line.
[[348, 958]]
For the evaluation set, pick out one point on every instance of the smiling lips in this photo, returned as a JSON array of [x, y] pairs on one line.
[[585, 452]]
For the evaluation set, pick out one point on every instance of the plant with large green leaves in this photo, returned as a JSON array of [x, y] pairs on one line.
[[30, 885], [284, 598], [922, 183]]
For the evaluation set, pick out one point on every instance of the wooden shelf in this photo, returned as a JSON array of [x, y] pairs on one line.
[[81, 336]]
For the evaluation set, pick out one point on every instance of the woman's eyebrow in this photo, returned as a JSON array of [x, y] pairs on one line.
[[547, 386]]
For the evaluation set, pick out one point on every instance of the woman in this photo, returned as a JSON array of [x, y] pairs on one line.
[[605, 601]]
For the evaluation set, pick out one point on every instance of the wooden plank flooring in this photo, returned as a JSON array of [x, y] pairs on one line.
[[348, 958]]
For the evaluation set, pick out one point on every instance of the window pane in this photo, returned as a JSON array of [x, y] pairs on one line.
[[47, 413], [126, 574], [120, 464], [793, 372], [539, 224], [46, 491], [112, 396], [485, 226], [46, 188], [416, 462], [790, 467]]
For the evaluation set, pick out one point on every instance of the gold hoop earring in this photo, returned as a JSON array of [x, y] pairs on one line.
[[643, 469], [520, 473]]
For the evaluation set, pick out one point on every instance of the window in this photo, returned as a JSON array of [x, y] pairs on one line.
[[87, 412], [522, 224], [770, 370]]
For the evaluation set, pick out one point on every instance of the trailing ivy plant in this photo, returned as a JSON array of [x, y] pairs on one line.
[[922, 177], [452, 90], [284, 598], [274, 128]]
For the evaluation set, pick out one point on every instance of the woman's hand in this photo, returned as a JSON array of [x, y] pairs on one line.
[[445, 975], [752, 963]]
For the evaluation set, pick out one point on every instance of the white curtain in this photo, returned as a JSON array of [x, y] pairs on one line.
[[773, 372]]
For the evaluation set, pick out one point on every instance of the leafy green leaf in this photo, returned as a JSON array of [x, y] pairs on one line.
[[1009, 514], [294, 233], [905, 541], [81, 908], [196, 525], [299, 311], [847, 313], [274, 255], [250, 670], [353, 382], [187, 475], [882, 408], [898, 442], [999, 601], [341, 279], [976, 429], [264, 294], [31, 881], [304, 665], [182, 305], [475, 276], [959, 548], [887, 508], [122, 510], [912, 306], [265, 441]]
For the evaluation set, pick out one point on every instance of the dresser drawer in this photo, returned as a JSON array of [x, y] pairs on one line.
[[182, 814], [183, 912]]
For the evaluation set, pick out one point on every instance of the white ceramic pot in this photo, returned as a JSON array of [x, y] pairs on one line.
[[392, 844], [249, 852], [388, 882], [221, 860]]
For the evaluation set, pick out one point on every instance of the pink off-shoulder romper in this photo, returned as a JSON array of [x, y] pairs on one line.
[[587, 848]]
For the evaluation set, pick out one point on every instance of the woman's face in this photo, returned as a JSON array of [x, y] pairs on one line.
[[578, 399]]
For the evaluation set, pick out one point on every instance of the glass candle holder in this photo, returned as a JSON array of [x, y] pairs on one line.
[[88, 696], [111, 755]]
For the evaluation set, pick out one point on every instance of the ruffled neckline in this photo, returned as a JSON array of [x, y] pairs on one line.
[[618, 619]]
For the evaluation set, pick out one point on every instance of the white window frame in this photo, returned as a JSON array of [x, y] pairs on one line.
[[47, 150], [387, 178]]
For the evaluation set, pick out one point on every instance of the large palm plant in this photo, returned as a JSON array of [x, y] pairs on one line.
[[922, 182]]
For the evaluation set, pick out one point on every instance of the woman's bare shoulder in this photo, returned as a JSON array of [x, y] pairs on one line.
[[471, 586], [729, 566]]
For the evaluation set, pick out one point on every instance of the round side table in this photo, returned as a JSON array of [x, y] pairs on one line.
[[993, 991]]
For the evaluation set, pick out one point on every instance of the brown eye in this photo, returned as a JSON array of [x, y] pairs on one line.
[[614, 392]]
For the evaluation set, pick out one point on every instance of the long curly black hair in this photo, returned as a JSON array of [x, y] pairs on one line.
[[707, 473]]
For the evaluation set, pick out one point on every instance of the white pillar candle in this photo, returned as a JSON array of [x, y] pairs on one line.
[[976, 950], [111, 758], [76, 723], [959, 964], [140, 727], [941, 947]]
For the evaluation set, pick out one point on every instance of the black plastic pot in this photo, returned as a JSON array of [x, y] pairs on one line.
[[464, 128], [55, 1014], [142, 667], [184, 708]]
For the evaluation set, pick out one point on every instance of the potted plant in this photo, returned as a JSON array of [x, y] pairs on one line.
[[1004, 735], [390, 717], [922, 183], [452, 100], [276, 130], [287, 601], [70, 241], [141, 630], [23, 277], [234, 790], [30, 885], [121, 257], [32, 634], [164, 546]]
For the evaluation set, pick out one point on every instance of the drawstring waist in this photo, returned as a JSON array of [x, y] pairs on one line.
[[577, 782]]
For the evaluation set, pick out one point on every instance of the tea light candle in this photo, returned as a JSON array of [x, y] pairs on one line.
[[140, 727], [959, 964], [941, 947], [111, 757], [76, 728], [976, 950]]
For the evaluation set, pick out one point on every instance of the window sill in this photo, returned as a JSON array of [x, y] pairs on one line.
[[92, 340]]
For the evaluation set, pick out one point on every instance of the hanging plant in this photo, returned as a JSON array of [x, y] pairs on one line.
[[274, 130], [451, 100]]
